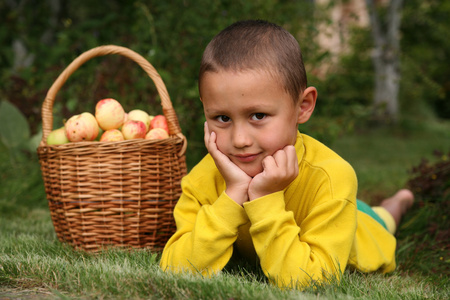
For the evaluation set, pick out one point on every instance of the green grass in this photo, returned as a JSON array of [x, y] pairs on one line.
[[35, 265], [32, 265]]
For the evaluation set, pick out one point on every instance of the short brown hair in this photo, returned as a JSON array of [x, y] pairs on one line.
[[257, 45]]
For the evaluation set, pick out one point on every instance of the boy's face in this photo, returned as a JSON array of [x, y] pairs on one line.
[[252, 115]]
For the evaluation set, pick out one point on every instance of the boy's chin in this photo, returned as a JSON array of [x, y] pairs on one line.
[[251, 169], [252, 172]]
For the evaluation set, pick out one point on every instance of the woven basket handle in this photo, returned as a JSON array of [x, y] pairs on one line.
[[168, 111]]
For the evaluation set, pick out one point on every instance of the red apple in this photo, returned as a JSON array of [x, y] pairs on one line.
[[140, 115], [112, 135], [82, 127], [157, 134], [133, 130], [160, 121], [109, 114]]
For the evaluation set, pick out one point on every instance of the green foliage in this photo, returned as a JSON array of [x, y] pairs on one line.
[[349, 83], [345, 93], [22, 188], [424, 87], [14, 130], [425, 51]]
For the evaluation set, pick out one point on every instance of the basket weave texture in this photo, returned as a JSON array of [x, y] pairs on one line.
[[119, 194]]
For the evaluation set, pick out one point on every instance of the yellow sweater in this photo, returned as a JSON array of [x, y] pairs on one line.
[[310, 231]]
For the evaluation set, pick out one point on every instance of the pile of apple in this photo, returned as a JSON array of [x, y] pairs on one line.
[[110, 124]]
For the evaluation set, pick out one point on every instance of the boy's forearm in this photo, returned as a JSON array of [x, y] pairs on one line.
[[204, 240]]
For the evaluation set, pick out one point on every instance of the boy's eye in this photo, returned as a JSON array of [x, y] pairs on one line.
[[223, 119], [258, 116]]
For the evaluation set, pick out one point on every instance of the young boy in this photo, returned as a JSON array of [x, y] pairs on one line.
[[265, 191]]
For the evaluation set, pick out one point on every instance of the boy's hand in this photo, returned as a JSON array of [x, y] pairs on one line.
[[278, 172], [237, 181]]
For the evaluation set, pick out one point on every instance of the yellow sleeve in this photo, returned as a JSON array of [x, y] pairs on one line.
[[203, 242], [293, 254]]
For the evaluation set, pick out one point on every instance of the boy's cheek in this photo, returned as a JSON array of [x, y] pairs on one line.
[[221, 143]]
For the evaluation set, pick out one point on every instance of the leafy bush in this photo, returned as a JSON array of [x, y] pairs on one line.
[[22, 186], [425, 48], [15, 132], [425, 233]]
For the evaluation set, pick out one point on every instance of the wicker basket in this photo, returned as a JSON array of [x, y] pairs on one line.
[[103, 194]]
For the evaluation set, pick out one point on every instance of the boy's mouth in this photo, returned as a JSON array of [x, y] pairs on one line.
[[246, 158]]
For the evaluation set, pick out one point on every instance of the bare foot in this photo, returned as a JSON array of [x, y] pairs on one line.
[[398, 204]]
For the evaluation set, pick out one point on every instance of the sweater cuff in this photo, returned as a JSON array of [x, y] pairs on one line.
[[265, 207], [229, 212]]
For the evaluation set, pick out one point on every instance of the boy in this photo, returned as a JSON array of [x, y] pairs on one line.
[[265, 191]]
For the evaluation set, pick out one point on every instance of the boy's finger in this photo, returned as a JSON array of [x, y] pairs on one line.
[[292, 161], [280, 158], [210, 139], [268, 163], [290, 153]]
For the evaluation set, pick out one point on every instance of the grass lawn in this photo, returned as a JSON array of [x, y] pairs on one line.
[[34, 265]]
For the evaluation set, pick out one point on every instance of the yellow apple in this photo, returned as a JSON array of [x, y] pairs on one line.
[[112, 135], [57, 137], [109, 114]]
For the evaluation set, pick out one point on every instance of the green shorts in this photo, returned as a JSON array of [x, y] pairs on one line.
[[365, 208]]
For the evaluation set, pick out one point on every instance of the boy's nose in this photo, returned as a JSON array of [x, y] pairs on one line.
[[241, 137]]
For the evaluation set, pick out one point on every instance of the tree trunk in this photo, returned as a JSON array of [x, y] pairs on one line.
[[386, 59]]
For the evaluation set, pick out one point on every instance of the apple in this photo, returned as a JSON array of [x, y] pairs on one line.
[[82, 127], [160, 121], [112, 135], [133, 130], [109, 114], [57, 137], [140, 115], [157, 134]]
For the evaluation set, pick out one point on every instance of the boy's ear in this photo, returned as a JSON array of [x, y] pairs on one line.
[[307, 104]]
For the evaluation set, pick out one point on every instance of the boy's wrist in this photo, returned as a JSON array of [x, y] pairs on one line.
[[238, 194]]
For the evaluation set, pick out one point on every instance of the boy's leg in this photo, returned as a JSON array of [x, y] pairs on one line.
[[392, 209]]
